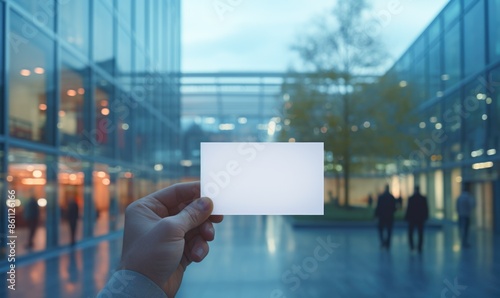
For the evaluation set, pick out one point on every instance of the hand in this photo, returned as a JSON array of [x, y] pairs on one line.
[[165, 232]]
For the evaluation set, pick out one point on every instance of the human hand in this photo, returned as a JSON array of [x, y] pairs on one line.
[[166, 231]]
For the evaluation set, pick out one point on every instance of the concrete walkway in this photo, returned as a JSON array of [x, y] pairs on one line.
[[265, 257]]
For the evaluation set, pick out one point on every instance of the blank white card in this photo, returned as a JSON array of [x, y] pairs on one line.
[[263, 178]]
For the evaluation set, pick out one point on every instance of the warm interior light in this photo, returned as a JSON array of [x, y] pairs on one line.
[[42, 202], [33, 181], [62, 113], [81, 91], [105, 111], [37, 173], [39, 70], [71, 92], [127, 175], [42, 107], [105, 181], [482, 165], [25, 72], [101, 174], [72, 177]]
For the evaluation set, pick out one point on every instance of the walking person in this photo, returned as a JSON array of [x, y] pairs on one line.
[[73, 215], [386, 206], [32, 215], [465, 205], [417, 213]]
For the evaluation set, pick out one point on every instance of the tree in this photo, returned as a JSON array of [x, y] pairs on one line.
[[340, 50]]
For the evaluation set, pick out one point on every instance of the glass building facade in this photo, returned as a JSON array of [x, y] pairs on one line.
[[90, 111], [453, 72]]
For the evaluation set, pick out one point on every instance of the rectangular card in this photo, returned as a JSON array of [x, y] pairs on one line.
[[263, 178]]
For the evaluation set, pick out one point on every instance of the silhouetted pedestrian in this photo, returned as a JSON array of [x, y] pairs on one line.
[[31, 215], [73, 216], [417, 213], [465, 205], [386, 206], [370, 201]]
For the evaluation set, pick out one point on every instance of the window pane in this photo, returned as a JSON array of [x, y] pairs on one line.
[[31, 86], [474, 39], [42, 10], [495, 108], [494, 27], [435, 70], [452, 73], [126, 125], [103, 35], [420, 78], [105, 127], [451, 13], [1, 69], [124, 59], [434, 30], [102, 195], [71, 199], [453, 117], [475, 124], [28, 176], [74, 94], [125, 13], [74, 23]]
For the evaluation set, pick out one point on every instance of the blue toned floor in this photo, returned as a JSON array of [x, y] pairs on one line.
[[266, 257]]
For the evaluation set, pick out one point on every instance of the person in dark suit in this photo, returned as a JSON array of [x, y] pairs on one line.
[[32, 215], [73, 215], [386, 206], [417, 213]]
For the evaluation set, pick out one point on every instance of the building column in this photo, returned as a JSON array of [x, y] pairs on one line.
[[53, 211], [447, 195], [113, 200], [88, 202], [496, 204]]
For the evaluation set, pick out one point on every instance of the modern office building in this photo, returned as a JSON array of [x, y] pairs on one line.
[[90, 111], [453, 70]]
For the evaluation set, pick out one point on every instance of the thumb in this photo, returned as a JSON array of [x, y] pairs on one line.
[[194, 214]]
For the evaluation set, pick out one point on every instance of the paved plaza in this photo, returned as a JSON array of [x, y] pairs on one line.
[[266, 257]]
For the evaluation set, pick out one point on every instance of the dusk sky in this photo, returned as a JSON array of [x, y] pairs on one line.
[[255, 35]]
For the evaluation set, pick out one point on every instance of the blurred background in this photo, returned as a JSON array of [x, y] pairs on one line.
[[105, 101]]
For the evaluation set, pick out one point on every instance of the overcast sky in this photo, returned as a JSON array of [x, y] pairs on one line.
[[255, 35]]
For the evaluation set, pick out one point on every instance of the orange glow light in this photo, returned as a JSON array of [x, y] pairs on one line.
[[39, 70], [71, 92], [33, 181], [81, 91], [62, 113], [25, 72], [42, 107], [127, 175], [106, 181], [104, 103], [105, 111]]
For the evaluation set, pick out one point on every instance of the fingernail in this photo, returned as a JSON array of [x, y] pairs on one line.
[[199, 252], [203, 204]]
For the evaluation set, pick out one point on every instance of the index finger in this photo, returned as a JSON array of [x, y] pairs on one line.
[[176, 194]]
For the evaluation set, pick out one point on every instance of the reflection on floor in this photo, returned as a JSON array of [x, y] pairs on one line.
[[266, 257]]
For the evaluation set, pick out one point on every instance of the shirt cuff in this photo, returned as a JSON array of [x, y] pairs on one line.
[[130, 284]]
